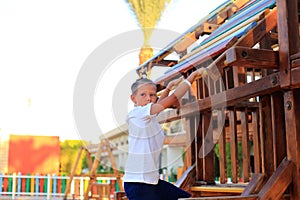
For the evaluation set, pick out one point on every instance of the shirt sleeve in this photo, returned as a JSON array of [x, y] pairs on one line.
[[140, 112]]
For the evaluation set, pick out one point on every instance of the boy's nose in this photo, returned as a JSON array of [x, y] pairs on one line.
[[148, 98]]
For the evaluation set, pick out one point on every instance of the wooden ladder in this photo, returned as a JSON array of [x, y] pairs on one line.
[[104, 146]]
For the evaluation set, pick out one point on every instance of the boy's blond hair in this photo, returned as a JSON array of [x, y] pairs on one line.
[[139, 82]]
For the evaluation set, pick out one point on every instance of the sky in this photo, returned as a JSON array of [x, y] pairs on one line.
[[44, 46]]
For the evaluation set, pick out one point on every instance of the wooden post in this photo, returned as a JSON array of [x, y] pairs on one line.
[[190, 142], [222, 147], [256, 142], [233, 145], [292, 126], [207, 148], [245, 144], [278, 127], [266, 137], [104, 146], [72, 173], [288, 37]]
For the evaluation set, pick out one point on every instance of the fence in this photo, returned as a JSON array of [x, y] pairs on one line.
[[49, 186]]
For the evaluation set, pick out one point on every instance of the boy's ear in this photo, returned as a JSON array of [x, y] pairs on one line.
[[132, 97]]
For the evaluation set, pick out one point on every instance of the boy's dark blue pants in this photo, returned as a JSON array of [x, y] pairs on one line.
[[162, 191]]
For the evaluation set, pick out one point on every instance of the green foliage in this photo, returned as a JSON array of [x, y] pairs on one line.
[[228, 157], [68, 153]]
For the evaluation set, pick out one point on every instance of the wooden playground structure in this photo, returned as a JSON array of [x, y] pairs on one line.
[[95, 190], [248, 100]]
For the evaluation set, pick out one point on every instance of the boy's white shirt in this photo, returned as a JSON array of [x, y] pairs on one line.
[[145, 140]]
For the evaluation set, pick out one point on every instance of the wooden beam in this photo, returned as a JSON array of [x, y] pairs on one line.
[[166, 63], [205, 28], [245, 145], [292, 130], [254, 186], [258, 58], [199, 155], [270, 84], [267, 84], [233, 145], [266, 136], [288, 37], [256, 142], [278, 182], [207, 148], [188, 40], [222, 147], [278, 127], [295, 77], [74, 168], [217, 190], [268, 23], [190, 157], [187, 179]]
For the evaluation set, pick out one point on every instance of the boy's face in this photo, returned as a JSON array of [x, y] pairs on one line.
[[145, 94]]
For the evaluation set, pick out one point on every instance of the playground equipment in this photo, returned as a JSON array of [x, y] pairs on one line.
[[47, 186], [94, 189], [249, 99]]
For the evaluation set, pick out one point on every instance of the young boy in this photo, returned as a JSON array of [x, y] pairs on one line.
[[146, 138]]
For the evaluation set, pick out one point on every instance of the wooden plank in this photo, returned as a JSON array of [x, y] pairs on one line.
[[292, 127], [199, 155], [189, 158], [215, 69], [216, 189], [256, 58], [211, 86], [205, 28], [205, 88], [239, 76], [266, 136], [222, 148], [263, 27], [195, 60], [256, 143], [206, 150], [278, 182], [224, 14], [236, 32], [233, 146], [268, 84], [187, 179], [245, 145], [278, 127], [295, 77], [188, 40], [74, 168], [288, 37], [254, 186], [241, 17]]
